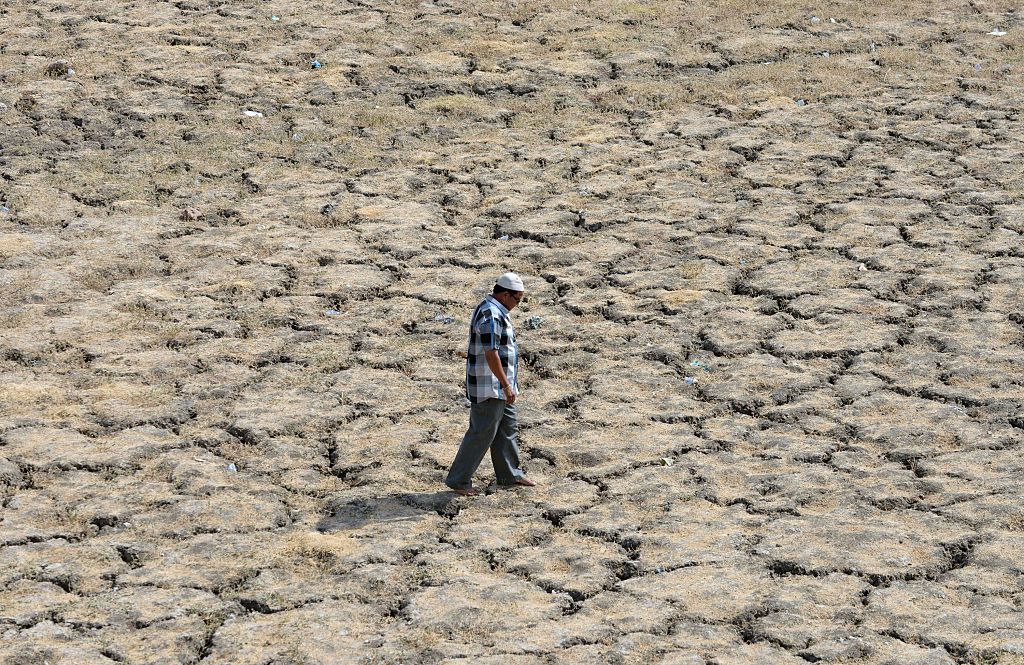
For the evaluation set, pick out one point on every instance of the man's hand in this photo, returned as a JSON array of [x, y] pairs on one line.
[[510, 393]]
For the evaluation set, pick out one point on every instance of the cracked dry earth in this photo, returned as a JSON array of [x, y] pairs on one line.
[[229, 389]]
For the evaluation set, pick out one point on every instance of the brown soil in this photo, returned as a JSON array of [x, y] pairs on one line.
[[229, 388]]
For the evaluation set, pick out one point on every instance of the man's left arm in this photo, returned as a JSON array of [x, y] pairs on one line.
[[494, 363]]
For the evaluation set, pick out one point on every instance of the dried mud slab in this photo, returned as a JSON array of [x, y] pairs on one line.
[[772, 346]]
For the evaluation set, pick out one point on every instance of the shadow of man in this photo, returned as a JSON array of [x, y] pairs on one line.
[[352, 514]]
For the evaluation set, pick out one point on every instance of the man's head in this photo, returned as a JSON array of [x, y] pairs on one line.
[[509, 290]]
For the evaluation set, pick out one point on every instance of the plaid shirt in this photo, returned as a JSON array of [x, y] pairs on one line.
[[490, 328]]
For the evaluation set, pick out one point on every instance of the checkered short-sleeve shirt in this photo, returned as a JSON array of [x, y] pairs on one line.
[[490, 328]]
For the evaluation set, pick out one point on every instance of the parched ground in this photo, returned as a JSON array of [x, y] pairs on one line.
[[775, 392]]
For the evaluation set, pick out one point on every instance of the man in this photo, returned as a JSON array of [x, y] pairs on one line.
[[492, 362]]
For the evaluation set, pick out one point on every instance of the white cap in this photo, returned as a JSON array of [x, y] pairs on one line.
[[511, 281]]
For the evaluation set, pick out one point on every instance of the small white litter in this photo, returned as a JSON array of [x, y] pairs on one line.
[[862, 268], [253, 114], [998, 33]]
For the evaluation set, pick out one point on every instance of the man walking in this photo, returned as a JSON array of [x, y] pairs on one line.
[[492, 362]]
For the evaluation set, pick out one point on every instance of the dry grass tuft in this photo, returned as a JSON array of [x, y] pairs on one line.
[[321, 551], [457, 106], [38, 398], [1015, 523]]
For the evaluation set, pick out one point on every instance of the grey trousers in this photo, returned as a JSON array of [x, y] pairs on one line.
[[492, 424]]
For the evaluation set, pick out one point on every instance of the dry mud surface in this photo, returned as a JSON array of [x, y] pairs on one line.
[[229, 389]]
